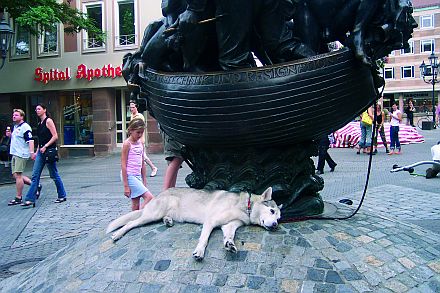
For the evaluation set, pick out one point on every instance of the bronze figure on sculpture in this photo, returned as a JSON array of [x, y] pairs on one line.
[[245, 127]]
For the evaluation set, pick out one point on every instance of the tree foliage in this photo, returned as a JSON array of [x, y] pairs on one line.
[[38, 15]]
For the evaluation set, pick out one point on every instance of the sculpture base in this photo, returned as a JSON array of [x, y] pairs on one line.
[[288, 169]]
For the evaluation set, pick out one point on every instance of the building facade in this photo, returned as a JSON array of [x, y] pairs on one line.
[[78, 77], [402, 67]]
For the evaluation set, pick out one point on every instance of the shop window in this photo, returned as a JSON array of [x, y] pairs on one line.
[[77, 119], [407, 71], [427, 46], [125, 23], [427, 21], [94, 11], [21, 43], [48, 41], [388, 73]]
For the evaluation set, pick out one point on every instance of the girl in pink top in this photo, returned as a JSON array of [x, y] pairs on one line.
[[133, 166]]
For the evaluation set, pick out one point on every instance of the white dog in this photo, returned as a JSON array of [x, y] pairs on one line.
[[212, 209]]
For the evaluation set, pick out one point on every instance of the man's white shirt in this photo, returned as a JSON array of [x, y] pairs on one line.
[[435, 151], [21, 135]]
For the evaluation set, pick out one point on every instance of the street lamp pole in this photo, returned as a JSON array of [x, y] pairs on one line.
[[429, 75], [433, 101], [5, 38]]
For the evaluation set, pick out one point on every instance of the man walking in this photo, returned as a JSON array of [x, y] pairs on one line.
[[22, 148]]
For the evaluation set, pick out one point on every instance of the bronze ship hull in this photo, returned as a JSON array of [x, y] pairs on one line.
[[281, 104]]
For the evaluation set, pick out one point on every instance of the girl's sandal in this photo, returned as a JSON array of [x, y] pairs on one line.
[[60, 200]]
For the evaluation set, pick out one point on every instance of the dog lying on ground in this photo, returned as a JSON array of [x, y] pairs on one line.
[[211, 209]]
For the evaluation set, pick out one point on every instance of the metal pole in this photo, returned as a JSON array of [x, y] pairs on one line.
[[433, 102]]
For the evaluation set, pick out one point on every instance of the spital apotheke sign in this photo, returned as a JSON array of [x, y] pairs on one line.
[[82, 72]]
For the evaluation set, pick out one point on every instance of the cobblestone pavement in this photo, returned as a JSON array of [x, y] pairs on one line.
[[391, 245]]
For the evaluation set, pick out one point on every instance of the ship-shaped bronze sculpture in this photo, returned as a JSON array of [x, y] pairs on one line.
[[272, 105]]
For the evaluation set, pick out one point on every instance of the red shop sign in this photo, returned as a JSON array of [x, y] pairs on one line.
[[82, 72]]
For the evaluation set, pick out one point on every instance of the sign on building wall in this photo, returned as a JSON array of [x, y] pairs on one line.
[[82, 72]]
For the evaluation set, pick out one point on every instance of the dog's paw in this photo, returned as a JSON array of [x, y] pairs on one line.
[[168, 221], [115, 236], [230, 246], [198, 255]]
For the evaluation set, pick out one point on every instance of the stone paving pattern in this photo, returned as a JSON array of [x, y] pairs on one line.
[[391, 245]]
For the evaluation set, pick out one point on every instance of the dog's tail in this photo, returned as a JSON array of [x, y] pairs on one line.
[[121, 221]]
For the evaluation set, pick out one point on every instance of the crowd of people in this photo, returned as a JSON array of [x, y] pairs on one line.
[[368, 144]]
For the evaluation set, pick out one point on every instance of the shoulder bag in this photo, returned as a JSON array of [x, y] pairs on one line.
[[51, 155]]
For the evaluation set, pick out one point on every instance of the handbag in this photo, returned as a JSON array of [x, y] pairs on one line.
[[366, 119], [51, 155]]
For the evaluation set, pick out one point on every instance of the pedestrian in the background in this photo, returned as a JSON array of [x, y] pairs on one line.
[[47, 142], [435, 169], [133, 168], [395, 119], [409, 110], [380, 129], [366, 125], [21, 149], [136, 115], [437, 113], [323, 155]]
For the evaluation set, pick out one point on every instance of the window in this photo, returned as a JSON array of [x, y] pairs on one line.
[[427, 46], [77, 118], [125, 23], [94, 11], [409, 50], [21, 43], [388, 72], [407, 71], [427, 21], [48, 41]]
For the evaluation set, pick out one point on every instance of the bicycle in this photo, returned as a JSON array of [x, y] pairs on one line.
[[426, 118]]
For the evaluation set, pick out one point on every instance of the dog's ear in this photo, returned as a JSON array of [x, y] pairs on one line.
[[267, 194], [280, 206]]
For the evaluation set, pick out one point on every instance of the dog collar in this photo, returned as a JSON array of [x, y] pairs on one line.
[[249, 208]]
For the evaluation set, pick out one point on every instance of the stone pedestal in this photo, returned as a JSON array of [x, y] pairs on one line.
[[289, 170]]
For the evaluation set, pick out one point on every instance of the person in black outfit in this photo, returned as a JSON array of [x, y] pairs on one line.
[[47, 140], [380, 130], [323, 156], [410, 113]]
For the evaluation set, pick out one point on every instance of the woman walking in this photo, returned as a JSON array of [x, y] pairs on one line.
[[47, 138], [380, 129], [395, 118]]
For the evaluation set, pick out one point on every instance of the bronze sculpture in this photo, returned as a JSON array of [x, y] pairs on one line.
[[248, 128]]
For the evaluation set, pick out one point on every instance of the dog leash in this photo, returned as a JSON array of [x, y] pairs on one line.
[[305, 218]]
